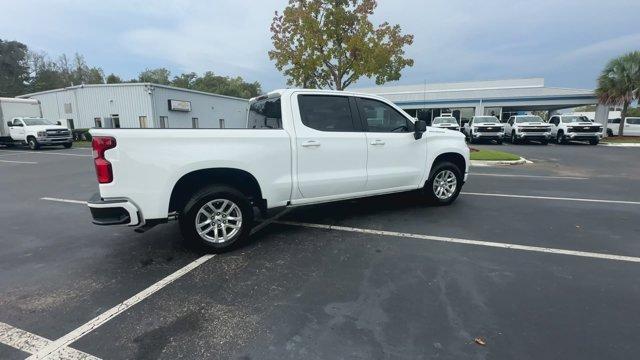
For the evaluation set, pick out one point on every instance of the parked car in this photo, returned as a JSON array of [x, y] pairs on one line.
[[446, 122], [521, 128], [37, 132], [565, 128], [484, 128], [631, 126], [300, 147]]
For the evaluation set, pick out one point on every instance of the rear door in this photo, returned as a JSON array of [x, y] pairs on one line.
[[632, 126], [331, 146], [395, 158]]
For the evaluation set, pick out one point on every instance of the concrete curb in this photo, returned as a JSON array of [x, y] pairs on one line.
[[621, 144], [520, 161]]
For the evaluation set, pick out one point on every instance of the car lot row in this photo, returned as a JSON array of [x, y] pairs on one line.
[[360, 283]]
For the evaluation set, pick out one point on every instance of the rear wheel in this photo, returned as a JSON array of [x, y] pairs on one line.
[[218, 219], [444, 184], [33, 143]]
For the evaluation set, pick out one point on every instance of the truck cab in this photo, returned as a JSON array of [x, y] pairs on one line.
[[565, 128], [37, 132]]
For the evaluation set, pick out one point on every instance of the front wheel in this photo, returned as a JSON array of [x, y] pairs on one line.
[[68, 145], [594, 141], [609, 132], [544, 142], [514, 138], [560, 138], [217, 219], [444, 184], [499, 141], [33, 144]]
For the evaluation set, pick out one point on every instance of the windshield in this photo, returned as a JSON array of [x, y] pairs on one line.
[[524, 119], [573, 119], [485, 119], [30, 122], [445, 120]]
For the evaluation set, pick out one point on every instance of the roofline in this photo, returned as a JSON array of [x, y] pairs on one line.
[[130, 84], [497, 100], [464, 82], [18, 100]]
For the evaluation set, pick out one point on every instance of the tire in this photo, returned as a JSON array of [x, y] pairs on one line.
[[68, 145], [499, 141], [471, 141], [544, 142], [33, 143], [514, 139], [207, 201], [560, 139], [609, 132], [441, 172], [594, 141]]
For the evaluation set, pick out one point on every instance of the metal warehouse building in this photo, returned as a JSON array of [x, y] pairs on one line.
[[140, 105], [501, 98]]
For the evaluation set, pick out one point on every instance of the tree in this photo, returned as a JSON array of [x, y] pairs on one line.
[[113, 79], [14, 68], [156, 76], [619, 83], [185, 80], [332, 43], [223, 85]]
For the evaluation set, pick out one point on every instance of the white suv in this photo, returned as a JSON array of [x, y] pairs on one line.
[[484, 128], [446, 122], [520, 128], [572, 127]]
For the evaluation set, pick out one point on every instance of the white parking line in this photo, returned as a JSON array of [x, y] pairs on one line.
[[552, 198], [531, 176], [18, 162], [466, 241], [83, 330], [32, 343], [64, 200], [9, 152]]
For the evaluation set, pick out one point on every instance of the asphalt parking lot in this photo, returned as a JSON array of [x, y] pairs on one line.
[[542, 261]]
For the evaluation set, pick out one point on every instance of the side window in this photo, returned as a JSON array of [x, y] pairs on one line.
[[511, 119], [263, 114], [633, 121], [326, 113], [17, 122], [381, 117]]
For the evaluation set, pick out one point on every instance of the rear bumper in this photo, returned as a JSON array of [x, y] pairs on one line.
[[120, 211]]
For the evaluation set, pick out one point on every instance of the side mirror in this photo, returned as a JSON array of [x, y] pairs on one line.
[[58, 122], [420, 126], [9, 124]]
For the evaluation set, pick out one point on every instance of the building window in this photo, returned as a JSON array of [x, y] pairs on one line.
[[98, 122], [116, 120], [194, 123], [221, 123], [164, 122], [143, 121], [70, 124]]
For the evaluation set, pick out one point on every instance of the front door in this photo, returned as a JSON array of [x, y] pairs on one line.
[[395, 158], [17, 130], [331, 147]]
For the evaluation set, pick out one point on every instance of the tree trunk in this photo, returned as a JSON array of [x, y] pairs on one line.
[[623, 117]]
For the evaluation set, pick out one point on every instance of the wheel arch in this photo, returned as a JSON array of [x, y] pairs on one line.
[[195, 180]]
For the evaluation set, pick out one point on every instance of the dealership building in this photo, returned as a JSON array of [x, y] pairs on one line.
[[140, 105], [501, 98]]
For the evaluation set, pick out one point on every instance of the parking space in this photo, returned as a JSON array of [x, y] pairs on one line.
[[525, 259]]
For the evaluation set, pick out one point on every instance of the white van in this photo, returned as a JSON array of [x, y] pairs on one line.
[[631, 126]]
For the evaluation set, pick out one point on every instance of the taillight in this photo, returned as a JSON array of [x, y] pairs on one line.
[[100, 144]]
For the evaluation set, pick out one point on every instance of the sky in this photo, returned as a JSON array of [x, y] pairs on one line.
[[567, 42]]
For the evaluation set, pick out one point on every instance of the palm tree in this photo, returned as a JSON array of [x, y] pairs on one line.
[[619, 83]]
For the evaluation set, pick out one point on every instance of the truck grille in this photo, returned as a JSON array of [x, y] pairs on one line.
[[535, 129], [584, 129], [488, 129], [61, 133]]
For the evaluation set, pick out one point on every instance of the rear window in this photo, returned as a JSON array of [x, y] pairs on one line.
[[326, 113], [265, 114]]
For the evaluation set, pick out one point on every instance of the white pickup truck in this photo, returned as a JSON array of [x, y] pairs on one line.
[[299, 147], [36, 132], [521, 128], [484, 128], [565, 128]]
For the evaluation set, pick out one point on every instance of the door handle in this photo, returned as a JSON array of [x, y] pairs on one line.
[[311, 143], [377, 142]]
